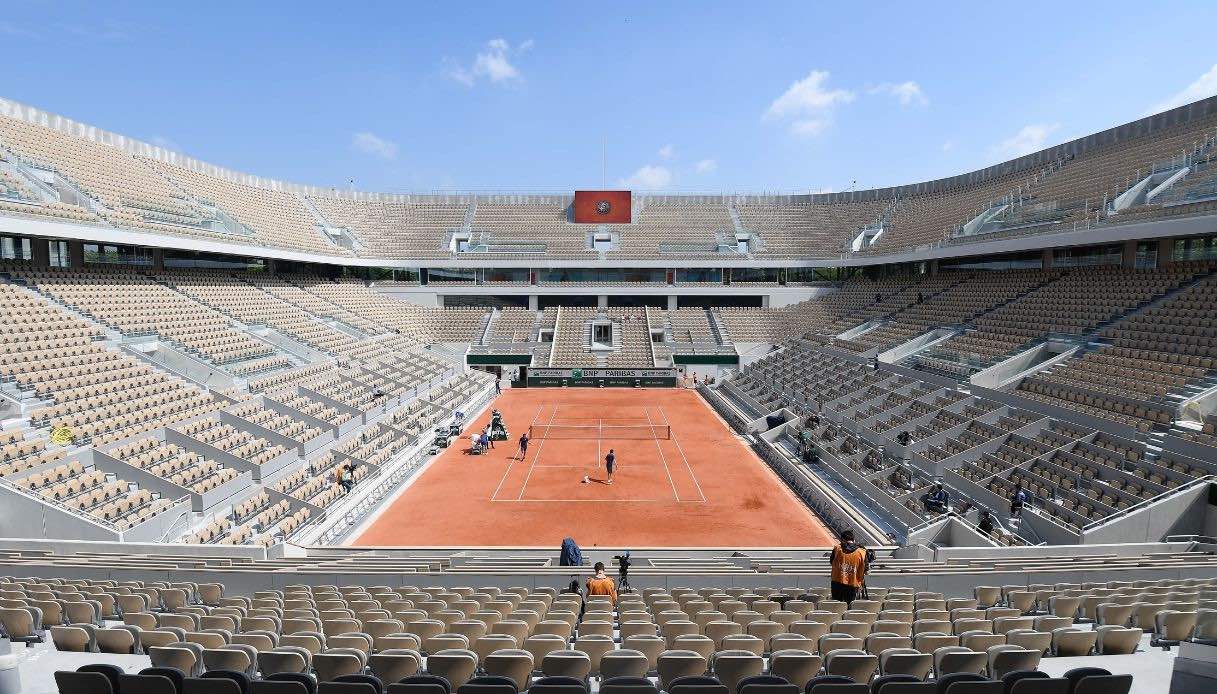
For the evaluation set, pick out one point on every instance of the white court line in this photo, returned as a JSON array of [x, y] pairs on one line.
[[659, 448], [513, 462], [682, 455], [536, 457]]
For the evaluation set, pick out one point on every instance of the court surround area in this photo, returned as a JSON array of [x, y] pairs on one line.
[[681, 476]]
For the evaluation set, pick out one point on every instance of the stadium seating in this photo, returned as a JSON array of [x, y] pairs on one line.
[[384, 634]]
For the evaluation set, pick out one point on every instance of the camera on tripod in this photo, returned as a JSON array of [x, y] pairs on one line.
[[623, 568]]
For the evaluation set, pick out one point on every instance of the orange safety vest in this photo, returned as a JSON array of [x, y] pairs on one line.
[[602, 586], [848, 568]]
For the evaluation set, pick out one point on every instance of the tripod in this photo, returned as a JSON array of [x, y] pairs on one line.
[[625, 582]]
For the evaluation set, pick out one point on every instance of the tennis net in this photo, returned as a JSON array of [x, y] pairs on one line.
[[600, 431]]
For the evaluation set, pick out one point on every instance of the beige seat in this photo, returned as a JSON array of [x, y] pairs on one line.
[[810, 630], [830, 642], [795, 665], [444, 642], [283, 659], [624, 662], [732, 666], [679, 663], [765, 630], [702, 645], [391, 665], [115, 640], [878, 642], [1116, 640], [72, 638], [905, 661], [1031, 640], [541, 645], [718, 630], [490, 643], [514, 664], [980, 640], [601, 628], [335, 662], [949, 659], [567, 663], [853, 663], [515, 628], [1173, 625], [595, 646], [1113, 614], [743, 642], [177, 656], [649, 646], [456, 665], [1008, 658], [638, 627], [238, 657], [556, 627], [1070, 642]]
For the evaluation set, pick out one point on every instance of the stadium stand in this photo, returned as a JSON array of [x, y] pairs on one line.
[[195, 426]]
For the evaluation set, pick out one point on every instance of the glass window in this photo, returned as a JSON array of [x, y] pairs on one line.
[[59, 254], [709, 275], [108, 254]]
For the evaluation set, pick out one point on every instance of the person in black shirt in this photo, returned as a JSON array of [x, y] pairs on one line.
[[610, 464]]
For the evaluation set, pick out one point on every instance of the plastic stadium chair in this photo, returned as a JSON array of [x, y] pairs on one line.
[[70, 682], [279, 687], [835, 684], [628, 685], [1093, 680], [421, 684], [214, 685], [946, 681], [243, 680], [697, 685], [306, 681], [882, 682], [765, 684], [556, 684], [147, 684]]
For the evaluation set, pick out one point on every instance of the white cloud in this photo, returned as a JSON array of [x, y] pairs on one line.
[[1031, 138], [906, 93], [369, 143], [706, 166], [1204, 86], [810, 128], [948, 145], [667, 152], [493, 63], [648, 177], [809, 102]]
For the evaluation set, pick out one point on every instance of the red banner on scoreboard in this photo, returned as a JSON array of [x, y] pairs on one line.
[[602, 206]]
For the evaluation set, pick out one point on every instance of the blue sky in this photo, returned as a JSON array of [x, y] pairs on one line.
[[683, 96]]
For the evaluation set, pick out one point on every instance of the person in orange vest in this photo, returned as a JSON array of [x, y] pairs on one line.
[[601, 584], [848, 563]]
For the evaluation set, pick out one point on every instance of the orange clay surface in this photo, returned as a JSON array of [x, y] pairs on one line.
[[703, 487]]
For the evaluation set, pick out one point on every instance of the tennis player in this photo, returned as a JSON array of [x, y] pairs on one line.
[[524, 445], [610, 464]]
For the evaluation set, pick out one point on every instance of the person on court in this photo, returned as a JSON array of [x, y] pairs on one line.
[[523, 445], [610, 464]]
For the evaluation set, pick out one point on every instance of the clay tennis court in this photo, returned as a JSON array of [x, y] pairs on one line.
[[682, 479]]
